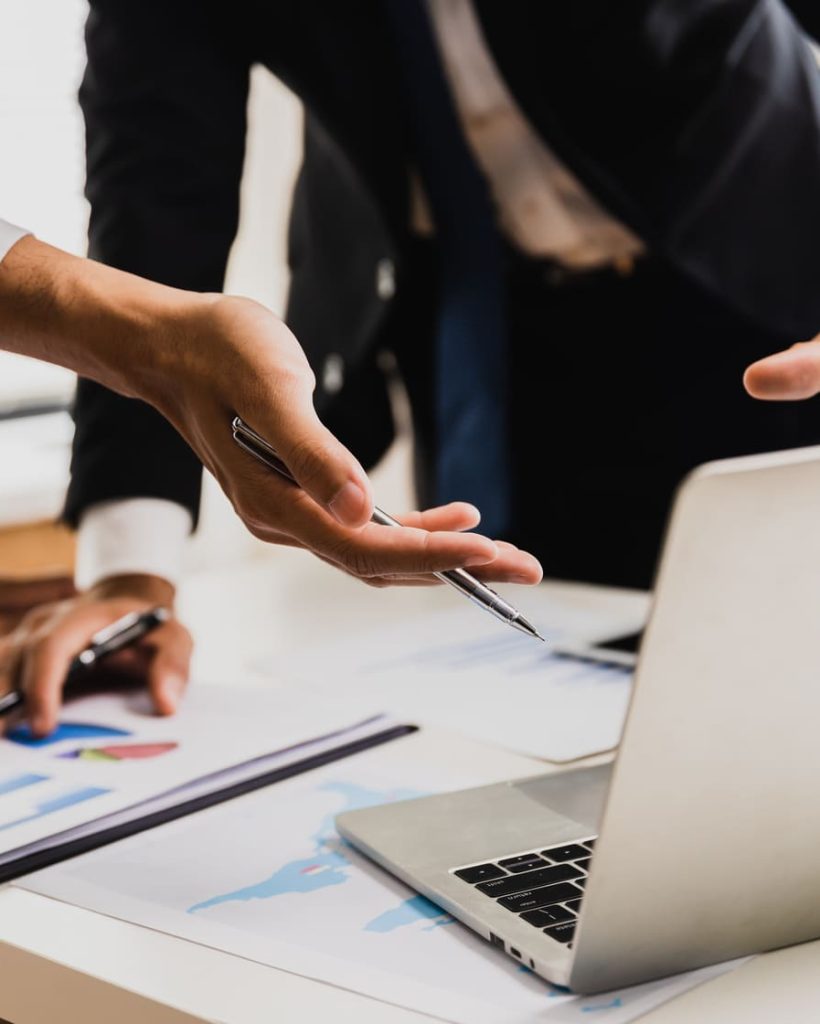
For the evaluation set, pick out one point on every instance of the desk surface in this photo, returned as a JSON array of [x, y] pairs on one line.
[[59, 962]]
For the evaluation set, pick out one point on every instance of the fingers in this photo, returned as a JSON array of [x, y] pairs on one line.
[[169, 666], [508, 565], [44, 666], [511, 566], [38, 656], [458, 515], [386, 550], [786, 376]]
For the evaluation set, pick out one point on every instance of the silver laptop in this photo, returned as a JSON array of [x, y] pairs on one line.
[[701, 842]]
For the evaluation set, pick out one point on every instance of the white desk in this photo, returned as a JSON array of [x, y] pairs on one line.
[[61, 963]]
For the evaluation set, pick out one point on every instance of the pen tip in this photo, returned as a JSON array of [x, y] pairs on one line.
[[527, 627]]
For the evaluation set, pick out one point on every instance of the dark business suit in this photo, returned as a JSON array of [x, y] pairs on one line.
[[697, 123]]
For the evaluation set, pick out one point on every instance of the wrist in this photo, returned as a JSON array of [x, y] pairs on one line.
[[153, 590], [106, 324]]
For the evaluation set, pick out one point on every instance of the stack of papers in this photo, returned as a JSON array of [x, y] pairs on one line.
[[465, 672], [112, 763], [267, 877]]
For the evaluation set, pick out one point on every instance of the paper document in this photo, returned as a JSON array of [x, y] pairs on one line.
[[482, 679], [280, 887], [109, 753]]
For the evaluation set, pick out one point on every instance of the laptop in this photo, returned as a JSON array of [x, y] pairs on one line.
[[701, 842]]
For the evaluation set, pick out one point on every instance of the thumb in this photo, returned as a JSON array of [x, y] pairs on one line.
[[321, 464], [786, 376]]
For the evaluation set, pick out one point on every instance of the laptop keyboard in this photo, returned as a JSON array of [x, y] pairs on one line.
[[544, 888]]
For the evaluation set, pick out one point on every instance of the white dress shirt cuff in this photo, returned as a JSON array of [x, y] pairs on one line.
[[135, 535], [9, 234]]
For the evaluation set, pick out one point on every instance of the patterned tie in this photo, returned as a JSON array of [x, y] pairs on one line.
[[472, 457]]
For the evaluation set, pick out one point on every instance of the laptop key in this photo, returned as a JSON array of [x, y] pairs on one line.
[[534, 899], [562, 853], [548, 916], [529, 880], [562, 932], [525, 862], [583, 864], [590, 843], [479, 873], [530, 865], [582, 881], [574, 905]]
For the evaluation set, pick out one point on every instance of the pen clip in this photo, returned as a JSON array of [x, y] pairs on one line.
[[107, 633], [253, 443], [125, 625]]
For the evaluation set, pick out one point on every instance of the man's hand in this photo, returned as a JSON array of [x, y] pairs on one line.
[[203, 359], [241, 359], [786, 376], [36, 656]]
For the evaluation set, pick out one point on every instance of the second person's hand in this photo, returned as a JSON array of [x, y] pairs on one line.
[[791, 375], [37, 655]]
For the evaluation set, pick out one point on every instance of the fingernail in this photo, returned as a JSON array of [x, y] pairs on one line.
[[172, 691], [348, 505]]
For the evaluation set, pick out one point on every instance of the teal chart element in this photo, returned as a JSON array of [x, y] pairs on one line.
[[54, 803], [64, 731], [17, 782], [407, 913], [330, 864]]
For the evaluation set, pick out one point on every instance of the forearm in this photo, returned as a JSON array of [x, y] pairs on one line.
[[104, 324]]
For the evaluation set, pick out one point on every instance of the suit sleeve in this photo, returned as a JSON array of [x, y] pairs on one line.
[[698, 122], [163, 98]]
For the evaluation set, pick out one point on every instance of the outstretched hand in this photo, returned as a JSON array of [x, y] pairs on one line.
[[790, 375], [241, 359], [201, 360]]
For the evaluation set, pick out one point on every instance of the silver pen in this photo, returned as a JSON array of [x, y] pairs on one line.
[[478, 592]]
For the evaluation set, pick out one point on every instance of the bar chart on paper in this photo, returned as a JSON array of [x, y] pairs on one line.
[[110, 755], [26, 798]]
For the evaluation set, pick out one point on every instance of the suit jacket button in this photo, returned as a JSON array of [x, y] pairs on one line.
[[333, 374], [385, 279]]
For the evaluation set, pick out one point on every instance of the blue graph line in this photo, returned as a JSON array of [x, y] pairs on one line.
[[613, 1005], [57, 803], [20, 782]]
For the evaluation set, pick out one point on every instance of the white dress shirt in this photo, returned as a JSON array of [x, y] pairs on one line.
[[542, 208]]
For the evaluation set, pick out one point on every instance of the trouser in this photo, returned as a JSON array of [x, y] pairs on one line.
[[618, 385]]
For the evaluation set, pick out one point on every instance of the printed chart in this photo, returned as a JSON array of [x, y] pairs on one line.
[[119, 752], [65, 731], [267, 877], [26, 798]]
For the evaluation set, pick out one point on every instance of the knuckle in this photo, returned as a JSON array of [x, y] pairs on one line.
[[306, 460], [352, 559], [360, 564], [255, 522]]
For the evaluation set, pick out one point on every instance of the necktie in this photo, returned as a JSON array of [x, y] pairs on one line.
[[470, 361]]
